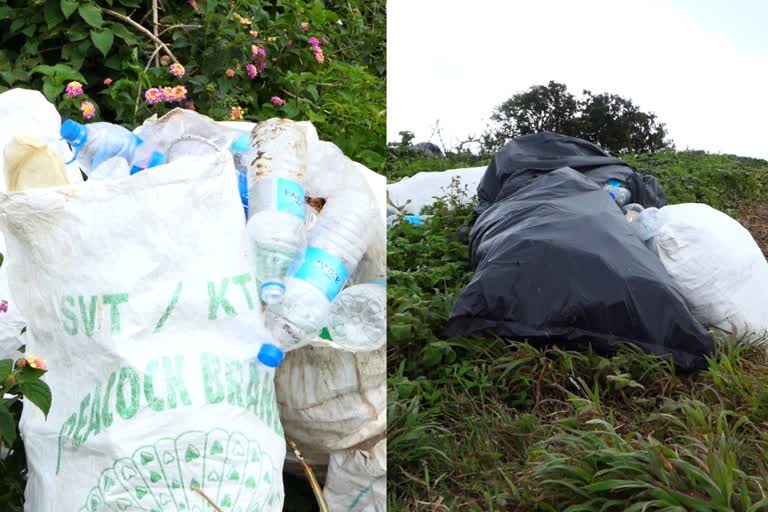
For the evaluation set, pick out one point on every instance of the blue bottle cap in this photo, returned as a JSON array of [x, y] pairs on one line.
[[241, 144], [270, 355], [413, 219], [614, 182], [73, 132], [157, 158]]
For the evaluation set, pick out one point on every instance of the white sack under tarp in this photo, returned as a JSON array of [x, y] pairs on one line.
[[718, 266], [139, 293], [357, 479], [412, 194]]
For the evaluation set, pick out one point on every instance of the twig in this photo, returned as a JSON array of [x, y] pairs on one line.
[[319, 496], [305, 100], [206, 498], [138, 83], [154, 29], [144, 30], [180, 25]]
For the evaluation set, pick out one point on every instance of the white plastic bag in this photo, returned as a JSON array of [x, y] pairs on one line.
[[139, 293], [412, 194], [357, 480], [24, 113], [720, 269]]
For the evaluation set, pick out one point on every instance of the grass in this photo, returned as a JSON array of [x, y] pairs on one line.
[[483, 423]]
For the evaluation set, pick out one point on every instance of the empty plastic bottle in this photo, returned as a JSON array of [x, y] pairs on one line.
[[357, 318], [240, 148], [336, 245], [276, 165], [618, 192], [97, 142], [632, 210]]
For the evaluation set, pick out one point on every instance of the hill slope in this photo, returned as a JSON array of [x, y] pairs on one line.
[[491, 424]]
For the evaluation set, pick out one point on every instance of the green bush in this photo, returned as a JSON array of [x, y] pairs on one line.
[[240, 59]]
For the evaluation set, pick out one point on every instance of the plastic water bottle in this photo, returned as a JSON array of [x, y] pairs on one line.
[[240, 148], [631, 211], [97, 142], [335, 247], [276, 167], [357, 318], [646, 225], [618, 192], [310, 218]]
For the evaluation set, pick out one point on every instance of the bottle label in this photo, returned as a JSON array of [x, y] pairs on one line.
[[290, 197], [323, 270]]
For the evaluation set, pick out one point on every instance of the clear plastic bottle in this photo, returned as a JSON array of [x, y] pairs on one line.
[[646, 225], [618, 192], [632, 210], [336, 245], [240, 148], [357, 318], [276, 167], [96, 143]]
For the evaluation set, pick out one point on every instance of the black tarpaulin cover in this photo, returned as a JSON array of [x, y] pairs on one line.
[[555, 261]]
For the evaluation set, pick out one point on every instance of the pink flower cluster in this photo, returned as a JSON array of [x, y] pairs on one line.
[[177, 70], [74, 89], [259, 55], [157, 95], [252, 71], [316, 50], [88, 109], [277, 101]]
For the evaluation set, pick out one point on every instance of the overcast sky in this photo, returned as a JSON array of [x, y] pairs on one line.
[[701, 66]]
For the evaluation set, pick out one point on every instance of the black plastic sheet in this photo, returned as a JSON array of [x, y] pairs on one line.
[[556, 262]]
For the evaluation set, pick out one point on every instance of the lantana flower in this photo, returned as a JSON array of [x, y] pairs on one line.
[[277, 101], [177, 70], [74, 89], [37, 363], [88, 109]]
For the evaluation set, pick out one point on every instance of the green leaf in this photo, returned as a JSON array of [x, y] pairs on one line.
[[7, 425], [291, 109], [51, 90], [17, 24], [38, 393], [312, 91], [91, 14], [2, 258], [65, 72], [123, 33], [43, 69], [29, 374], [6, 12], [103, 40], [6, 367], [68, 7], [53, 14]]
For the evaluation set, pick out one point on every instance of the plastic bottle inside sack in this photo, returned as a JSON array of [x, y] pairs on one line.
[[335, 247], [96, 143], [646, 224], [240, 148], [631, 211], [276, 163], [357, 320], [618, 192]]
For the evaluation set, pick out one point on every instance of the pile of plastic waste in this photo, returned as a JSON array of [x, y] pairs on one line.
[[313, 243]]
